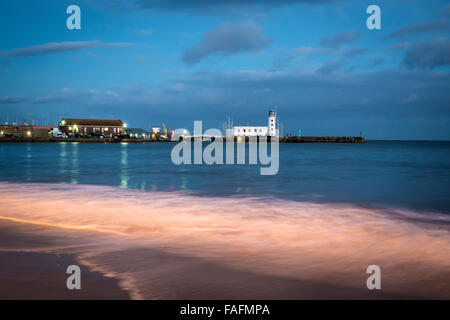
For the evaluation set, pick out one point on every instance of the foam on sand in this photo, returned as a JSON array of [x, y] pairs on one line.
[[320, 243]]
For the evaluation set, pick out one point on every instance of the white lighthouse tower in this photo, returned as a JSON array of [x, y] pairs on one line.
[[271, 126]]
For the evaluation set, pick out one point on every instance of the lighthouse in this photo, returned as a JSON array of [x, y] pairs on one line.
[[258, 131], [271, 126]]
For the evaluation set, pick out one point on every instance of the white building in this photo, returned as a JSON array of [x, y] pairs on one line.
[[253, 131], [248, 131], [271, 125]]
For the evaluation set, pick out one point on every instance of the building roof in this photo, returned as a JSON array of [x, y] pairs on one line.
[[93, 122], [136, 130], [43, 127], [259, 127]]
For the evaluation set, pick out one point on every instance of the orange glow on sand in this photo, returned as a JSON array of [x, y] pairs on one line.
[[330, 243]]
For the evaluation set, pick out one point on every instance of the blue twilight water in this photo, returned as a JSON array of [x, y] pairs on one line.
[[406, 174]]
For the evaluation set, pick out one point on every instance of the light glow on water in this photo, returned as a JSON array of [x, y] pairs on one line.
[[326, 243]]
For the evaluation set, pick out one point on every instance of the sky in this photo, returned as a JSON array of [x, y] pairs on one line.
[[149, 62]]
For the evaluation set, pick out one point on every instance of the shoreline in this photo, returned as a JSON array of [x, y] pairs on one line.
[[35, 275], [39, 272], [42, 276], [147, 246]]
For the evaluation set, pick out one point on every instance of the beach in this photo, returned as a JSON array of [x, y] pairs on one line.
[[141, 227], [157, 245], [40, 274], [39, 271]]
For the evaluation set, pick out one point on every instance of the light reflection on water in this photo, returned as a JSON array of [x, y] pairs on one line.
[[75, 170], [124, 166], [408, 174]]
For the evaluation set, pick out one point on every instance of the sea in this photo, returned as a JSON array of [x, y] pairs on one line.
[[201, 231], [407, 174]]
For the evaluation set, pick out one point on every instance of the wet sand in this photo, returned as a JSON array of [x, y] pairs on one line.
[[31, 276], [36, 275], [157, 245]]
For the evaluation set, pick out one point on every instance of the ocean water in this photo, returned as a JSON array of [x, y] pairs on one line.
[[406, 174], [224, 231]]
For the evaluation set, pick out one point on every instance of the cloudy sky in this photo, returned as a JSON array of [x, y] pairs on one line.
[[176, 61]]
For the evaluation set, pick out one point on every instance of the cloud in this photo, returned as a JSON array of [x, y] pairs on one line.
[[375, 62], [227, 39], [353, 51], [144, 32], [426, 55], [219, 7], [336, 40], [78, 97], [310, 50], [331, 66], [281, 62], [383, 103], [410, 99], [12, 99], [50, 98], [347, 51], [62, 95], [415, 29], [56, 47], [340, 57], [445, 12]]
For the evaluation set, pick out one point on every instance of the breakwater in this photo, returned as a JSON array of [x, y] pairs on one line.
[[323, 139], [236, 139]]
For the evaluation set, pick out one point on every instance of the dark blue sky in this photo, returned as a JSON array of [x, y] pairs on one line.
[[151, 61]]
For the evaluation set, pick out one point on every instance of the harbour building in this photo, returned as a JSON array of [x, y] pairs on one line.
[[92, 127], [255, 131]]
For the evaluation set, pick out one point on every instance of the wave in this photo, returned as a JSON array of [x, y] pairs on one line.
[[173, 245]]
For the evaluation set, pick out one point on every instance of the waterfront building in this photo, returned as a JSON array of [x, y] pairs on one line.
[[137, 133], [255, 131], [16, 130], [156, 129], [250, 131], [271, 125], [92, 127], [41, 131]]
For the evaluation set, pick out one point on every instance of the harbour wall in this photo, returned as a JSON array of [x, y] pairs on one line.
[[236, 139]]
